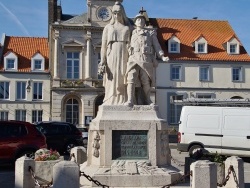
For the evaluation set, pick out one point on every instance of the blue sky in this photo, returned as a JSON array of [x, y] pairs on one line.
[[29, 17]]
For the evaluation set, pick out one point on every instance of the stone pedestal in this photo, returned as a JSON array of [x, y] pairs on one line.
[[204, 174], [44, 169], [129, 147]]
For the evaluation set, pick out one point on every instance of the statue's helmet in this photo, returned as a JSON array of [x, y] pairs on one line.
[[140, 16]]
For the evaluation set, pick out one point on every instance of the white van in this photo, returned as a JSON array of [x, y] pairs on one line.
[[225, 130]]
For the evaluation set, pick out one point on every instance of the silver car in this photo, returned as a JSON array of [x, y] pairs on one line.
[[84, 131]]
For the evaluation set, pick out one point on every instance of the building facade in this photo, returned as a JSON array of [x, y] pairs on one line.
[[207, 63], [24, 79], [75, 44]]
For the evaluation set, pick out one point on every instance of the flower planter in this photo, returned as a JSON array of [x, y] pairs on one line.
[[44, 169]]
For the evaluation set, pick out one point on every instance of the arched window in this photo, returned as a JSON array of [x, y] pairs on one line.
[[72, 111], [236, 97]]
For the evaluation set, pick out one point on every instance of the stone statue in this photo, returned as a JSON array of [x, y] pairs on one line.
[[142, 62], [114, 56]]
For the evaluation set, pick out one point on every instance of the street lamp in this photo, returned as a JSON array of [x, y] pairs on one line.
[[28, 86]]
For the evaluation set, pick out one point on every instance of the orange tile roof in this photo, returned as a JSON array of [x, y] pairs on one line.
[[187, 31], [25, 48]]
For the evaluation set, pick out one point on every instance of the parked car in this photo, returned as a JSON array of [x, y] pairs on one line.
[[60, 136], [222, 130], [19, 138], [85, 133]]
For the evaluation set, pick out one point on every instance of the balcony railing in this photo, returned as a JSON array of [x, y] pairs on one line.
[[80, 83], [72, 83]]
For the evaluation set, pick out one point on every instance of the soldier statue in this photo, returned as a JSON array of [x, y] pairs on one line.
[[142, 61]]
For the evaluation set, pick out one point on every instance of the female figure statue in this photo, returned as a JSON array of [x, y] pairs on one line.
[[114, 56]]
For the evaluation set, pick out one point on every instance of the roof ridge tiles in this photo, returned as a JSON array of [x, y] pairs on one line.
[[27, 37], [185, 19]]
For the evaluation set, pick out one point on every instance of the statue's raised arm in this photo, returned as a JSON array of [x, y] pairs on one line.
[[142, 62]]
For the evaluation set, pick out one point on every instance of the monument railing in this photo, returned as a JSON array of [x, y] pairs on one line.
[[180, 180], [233, 165], [93, 180], [230, 169], [46, 183]]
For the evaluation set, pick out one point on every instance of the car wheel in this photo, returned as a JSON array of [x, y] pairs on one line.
[[85, 142], [69, 146], [27, 153], [193, 150]]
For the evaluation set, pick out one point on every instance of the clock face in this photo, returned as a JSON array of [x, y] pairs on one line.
[[104, 13]]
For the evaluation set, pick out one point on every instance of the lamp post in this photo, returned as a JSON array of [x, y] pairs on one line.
[[28, 86]]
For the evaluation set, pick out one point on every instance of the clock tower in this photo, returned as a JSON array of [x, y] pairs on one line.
[[100, 11]]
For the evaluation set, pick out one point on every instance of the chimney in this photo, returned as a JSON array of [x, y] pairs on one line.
[[59, 13], [52, 14]]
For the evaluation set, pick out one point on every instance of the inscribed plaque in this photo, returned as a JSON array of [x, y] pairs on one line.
[[130, 144]]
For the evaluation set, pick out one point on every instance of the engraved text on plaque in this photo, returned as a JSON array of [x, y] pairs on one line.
[[129, 144]]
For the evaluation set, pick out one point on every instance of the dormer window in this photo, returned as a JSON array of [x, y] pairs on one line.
[[37, 62], [200, 45], [10, 62], [174, 45], [233, 46]]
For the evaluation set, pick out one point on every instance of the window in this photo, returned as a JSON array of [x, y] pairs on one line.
[[10, 64], [176, 72], [73, 59], [38, 65], [236, 74], [72, 111], [10, 61], [12, 130], [21, 115], [175, 109], [4, 90], [21, 90], [37, 62], [204, 96], [233, 48], [37, 115], [201, 47], [204, 73], [174, 45], [98, 61], [37, 91], [4, 115]]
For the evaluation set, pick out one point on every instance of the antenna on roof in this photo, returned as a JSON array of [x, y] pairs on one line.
[[195, 18]]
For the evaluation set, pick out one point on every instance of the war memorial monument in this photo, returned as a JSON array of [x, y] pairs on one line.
[[128, 141]]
